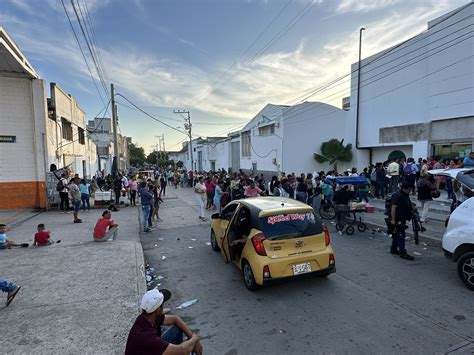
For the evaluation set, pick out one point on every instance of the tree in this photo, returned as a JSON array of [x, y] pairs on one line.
[[158, 158], [179, 164], [137, 155], [334, 151]]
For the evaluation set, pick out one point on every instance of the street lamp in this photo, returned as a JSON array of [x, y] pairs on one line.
[[358, 87]]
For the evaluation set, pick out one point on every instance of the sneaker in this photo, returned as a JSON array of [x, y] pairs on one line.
[[63, 212], [395, 252], [153, 227], [147, 231], [406, 257], [68, 212], [78, 221]]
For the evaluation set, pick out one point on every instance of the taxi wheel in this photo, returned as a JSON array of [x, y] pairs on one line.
[[466, 269], [214, 245], [249, 280]]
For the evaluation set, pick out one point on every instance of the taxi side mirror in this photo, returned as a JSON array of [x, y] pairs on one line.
[[215, 216]]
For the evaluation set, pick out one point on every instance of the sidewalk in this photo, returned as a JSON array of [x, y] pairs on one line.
[[77, 296]]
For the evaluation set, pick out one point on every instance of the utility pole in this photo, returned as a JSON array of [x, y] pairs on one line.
[[358, 87], [156, 147], [115, 163], [188, 127]]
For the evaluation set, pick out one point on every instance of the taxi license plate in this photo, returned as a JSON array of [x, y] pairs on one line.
[[301, 268]]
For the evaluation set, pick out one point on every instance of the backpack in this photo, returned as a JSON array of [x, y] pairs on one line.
[[407, 170], [59, 186]]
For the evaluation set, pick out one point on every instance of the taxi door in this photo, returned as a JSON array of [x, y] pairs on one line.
[[222, 225]]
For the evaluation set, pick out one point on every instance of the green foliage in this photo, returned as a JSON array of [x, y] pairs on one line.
[[334, 151], [137, 155], [180, 164], [158, 158]]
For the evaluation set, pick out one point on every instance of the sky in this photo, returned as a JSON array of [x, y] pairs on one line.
[[223, 60]]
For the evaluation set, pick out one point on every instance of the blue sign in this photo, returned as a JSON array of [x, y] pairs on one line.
[[7, 139]]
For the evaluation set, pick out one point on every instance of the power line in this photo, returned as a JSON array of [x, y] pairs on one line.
[[213, 85], [102, 81], [150, 115], [269, 44], [83, 55]]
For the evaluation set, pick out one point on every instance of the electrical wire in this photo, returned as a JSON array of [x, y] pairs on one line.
[[213, 85], [102, 81], [82, 52]]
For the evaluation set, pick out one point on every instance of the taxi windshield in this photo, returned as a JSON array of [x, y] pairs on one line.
[[290, 225]]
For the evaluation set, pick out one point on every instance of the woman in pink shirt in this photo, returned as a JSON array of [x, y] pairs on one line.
[[133, 191], [252, 190]]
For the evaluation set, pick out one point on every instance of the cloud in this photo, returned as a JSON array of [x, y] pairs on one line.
[[346, 6]]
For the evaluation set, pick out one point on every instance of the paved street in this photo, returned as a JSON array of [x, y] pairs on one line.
[[375, 303]]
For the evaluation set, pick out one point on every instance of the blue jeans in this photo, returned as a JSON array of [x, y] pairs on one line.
[[379, 188], [301, 196], [317, 203], [173, 335], [146, 214], [85, 201], [6, 286], [363, 195], [117, 196]]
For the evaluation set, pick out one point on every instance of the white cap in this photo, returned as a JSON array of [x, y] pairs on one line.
[[153, 299]]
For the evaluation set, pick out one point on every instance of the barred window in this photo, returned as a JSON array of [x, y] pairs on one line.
[[67, 129], [82, 137], [246, 144], [266, 130]]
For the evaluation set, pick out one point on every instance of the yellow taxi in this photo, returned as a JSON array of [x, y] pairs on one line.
[[272, 238]]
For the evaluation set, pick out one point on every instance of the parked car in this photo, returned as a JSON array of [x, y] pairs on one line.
[[458, 239], [272, 238]]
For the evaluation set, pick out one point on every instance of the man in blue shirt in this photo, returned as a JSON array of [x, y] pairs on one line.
[[468, 162]]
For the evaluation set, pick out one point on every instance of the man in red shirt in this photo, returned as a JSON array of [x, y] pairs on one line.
[[101, 234], [145, 337], [42, 238]]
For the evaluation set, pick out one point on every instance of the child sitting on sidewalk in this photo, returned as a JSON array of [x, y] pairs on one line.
[[43, 238], [5, 243], [101, 234]]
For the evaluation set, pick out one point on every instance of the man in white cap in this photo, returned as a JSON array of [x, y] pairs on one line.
[[145, 337]]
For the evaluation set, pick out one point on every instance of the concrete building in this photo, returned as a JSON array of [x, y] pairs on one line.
[[284, 138], [37, 134], [417, 98], [101, 132], [23, 141], [67, 142]]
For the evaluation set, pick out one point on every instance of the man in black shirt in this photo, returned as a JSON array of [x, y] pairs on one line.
[[401, 212]]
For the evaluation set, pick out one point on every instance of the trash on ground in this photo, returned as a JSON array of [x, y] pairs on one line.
[[187, 304], [163, 257], [208, 243], [416, 253], [149, 278], [190, 247], [152, 269], [159, 277], [425, 248], [193, 239], [332, 222], [425, 244], [160, 239], [156, 245], [340, 233]]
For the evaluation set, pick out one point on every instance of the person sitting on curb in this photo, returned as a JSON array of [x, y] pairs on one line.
[[10, 288], [146, 337], [101, 234], [42, 237], [5, 243]]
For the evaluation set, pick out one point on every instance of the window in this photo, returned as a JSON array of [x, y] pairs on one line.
[[266, 130], [213, 165], [228, 211], [82, 137], [67, 129], [246, 144]]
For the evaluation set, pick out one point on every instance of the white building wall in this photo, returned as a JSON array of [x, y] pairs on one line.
[[22, 113], [416, 83], [266, 151], [222, 155], [305, 128]]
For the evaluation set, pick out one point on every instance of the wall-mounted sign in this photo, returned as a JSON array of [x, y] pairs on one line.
[[7, 139]]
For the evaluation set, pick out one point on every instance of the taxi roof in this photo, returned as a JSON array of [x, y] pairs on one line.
[[273, 204]]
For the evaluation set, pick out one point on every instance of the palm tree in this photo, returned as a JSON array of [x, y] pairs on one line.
[[334, 151]]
